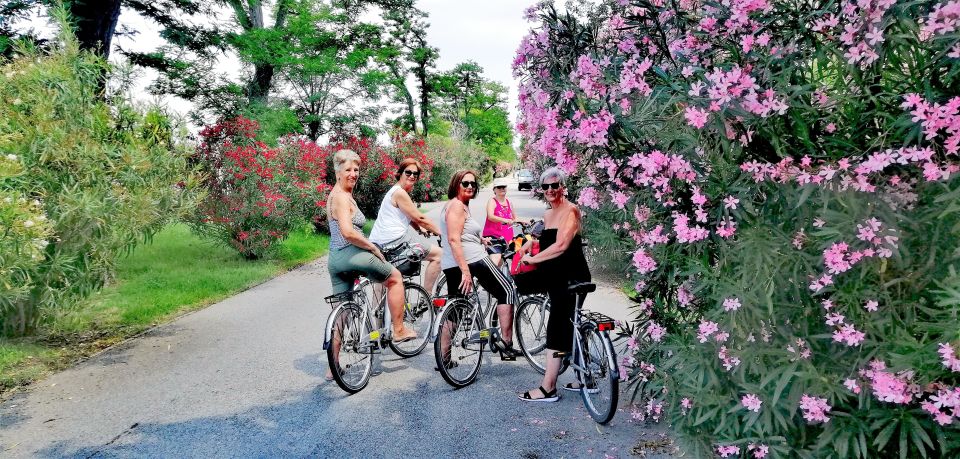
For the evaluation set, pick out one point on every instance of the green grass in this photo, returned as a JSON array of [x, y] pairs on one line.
[[175, 273]]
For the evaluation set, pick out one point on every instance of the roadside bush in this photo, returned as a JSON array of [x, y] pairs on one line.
[[248, 204], [450, 155], [779, 180], [83, 181]]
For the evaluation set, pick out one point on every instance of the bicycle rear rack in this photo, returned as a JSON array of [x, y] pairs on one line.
[[337, 298], [604, 322]]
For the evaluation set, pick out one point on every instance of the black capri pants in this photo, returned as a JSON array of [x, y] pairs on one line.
[[490, 278]]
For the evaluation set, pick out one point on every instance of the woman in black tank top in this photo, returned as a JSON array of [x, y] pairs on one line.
[[561, 260]]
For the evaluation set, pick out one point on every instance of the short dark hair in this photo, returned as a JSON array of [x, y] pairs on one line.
[[407, 162], [454, 187]]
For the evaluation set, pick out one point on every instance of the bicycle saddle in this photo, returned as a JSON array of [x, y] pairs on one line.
[[581, 288]]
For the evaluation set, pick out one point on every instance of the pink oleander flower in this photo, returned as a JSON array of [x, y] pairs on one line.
[[731, 304], [706, 329], [727, 451], [852, 385], [643, 262], [685, 405], [889, 387], [848, 335], [589, 197], [831, 128], [814, 409], [871, 305], [949, 357], [818, 223], [730, 202], [758, 451], [656, 332], [620, 199], [727, 228], [751, 402], [696, 117]]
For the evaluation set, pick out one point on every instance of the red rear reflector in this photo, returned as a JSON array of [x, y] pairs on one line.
[[439, 302], [605, 326]]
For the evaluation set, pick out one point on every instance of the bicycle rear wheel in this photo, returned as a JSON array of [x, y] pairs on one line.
[[459, 347], [418, 315], [440, 289], [349, 352], [600, 381]]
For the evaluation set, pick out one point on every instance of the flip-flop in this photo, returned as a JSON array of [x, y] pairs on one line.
[[404, 339]]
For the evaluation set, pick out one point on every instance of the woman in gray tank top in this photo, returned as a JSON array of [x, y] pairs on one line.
[[465, 257]]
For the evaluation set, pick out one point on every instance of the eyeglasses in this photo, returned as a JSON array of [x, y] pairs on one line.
[[410, 173], [548, 186], [468, 184]]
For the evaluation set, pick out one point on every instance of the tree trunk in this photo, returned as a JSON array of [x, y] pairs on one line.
[[96, 22], [313, 130], [259, 87]]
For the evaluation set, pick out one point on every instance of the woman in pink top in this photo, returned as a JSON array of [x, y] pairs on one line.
[[500, 216]]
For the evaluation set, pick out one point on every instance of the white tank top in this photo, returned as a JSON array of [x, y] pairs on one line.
[[391, 223]]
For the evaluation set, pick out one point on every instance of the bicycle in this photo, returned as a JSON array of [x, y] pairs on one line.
[[418, 315], [460, 334], [352, 334], [593, 357]]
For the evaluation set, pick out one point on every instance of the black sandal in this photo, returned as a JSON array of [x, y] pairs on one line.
[[548, 397], [507, 352], [575, 387]]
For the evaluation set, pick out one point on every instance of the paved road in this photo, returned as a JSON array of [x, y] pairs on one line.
[[244, 378]]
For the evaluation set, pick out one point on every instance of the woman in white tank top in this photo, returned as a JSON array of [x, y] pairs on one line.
[[398, 213]]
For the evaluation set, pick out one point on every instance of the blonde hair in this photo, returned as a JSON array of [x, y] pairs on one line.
[[341, 157]]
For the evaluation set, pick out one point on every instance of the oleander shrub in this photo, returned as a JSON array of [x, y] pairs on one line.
[[84, 179], [250, 186], [778, 180]]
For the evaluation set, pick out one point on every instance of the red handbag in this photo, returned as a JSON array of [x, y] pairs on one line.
[[517, 268]]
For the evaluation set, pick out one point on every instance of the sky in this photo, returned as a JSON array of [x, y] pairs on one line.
[[487, 32]]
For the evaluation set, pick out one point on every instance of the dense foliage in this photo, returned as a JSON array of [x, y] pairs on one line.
[[81, 181], [781, 181]]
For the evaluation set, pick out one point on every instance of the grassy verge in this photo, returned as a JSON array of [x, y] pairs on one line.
[[174, 274]]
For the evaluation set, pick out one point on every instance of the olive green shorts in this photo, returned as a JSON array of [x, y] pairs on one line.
[[350, 262]]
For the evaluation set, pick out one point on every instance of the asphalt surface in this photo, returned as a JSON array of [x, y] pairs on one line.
[[244, 378]]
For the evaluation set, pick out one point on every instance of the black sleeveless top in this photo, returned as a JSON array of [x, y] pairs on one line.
[[571, 265]]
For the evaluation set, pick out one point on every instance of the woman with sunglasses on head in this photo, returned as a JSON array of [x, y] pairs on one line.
[[500, 216], [398, 212], [465, 257], [560, 260]]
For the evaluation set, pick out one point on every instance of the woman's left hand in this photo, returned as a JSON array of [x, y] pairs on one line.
[[527, 259]]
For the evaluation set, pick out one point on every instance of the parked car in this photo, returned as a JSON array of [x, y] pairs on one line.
[[524, 179]]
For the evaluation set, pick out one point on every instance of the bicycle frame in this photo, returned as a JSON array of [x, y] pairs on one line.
[[486, 314], [378, 335], [577, 355]]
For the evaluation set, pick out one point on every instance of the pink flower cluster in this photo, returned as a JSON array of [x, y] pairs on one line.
[[936, 117], [751, 402], [814, 409], [862, 29], [937, 405], [944, 19], [889, 387], [949, 357], [758, 451], [729, 450], [656, 332]]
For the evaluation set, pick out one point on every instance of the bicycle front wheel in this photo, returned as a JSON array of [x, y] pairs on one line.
[[418, 315], [349, 352], [459, 345], [530, 329], [599, 378]]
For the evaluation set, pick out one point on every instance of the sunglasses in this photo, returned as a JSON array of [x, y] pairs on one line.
[[468, 184], [500, 187], [548, 186], [410, 173]]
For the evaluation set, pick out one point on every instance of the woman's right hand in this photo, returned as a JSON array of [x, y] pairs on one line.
[[466, 281], [377, 253]]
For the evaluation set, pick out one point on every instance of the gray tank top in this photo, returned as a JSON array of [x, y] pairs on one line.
[[337, 241], [473, 249]]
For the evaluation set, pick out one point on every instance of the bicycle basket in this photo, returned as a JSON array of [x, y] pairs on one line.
[[407, 258]]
